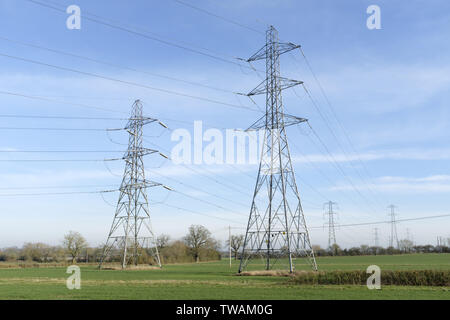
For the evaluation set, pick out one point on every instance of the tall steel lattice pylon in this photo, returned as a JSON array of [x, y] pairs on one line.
[[331, 225], [131, 232], [393, 237], [276, 227]]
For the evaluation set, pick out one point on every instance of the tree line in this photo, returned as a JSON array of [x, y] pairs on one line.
[[404, 247], [197, 245]]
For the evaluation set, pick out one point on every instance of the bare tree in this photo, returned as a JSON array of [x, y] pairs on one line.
[[236, 244], [74, 243], [163, 241], [197, 239], [405, 245]]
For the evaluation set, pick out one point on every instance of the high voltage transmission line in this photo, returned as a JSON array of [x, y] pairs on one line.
[[314, 103], [328, 153], [218, 16], [130, 83], [144, 34], [259, 90], [387, 221], [334, 113], [224, 19], [16, 94], [74, 55], [116, 65], [308, 93]]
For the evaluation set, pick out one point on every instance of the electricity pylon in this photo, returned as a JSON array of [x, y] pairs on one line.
[[376, 237], [131, 232], [393, 235], [276, 226], [331, 226]]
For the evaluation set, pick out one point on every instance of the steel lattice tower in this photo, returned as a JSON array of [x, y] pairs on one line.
[[276, 226], [376, 238], [331, 225], [131, 230], [393, 235]]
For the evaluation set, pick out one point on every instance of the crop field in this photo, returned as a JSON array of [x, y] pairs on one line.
[[216, 280]]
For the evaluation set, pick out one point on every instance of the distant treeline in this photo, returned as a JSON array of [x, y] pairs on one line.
[[198, 245], [367, 250]]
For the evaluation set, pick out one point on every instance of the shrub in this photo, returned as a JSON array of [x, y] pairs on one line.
[[388, 277]]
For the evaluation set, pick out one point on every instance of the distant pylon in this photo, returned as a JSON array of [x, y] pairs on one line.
[[131, 233], [276, 226], [376, 237], [393, 237], [331, 225]]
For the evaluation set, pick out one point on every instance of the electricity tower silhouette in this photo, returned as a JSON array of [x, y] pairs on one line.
[[131, 234], [376, 237], [331, 226], [393, 235], [276, 227]]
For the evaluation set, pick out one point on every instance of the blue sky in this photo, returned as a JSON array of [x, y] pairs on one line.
[[389, 88]]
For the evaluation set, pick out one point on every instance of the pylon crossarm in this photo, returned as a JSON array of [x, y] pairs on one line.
[[284, 47], [139, 152], [288, 120], [283, 83], [260, 54]]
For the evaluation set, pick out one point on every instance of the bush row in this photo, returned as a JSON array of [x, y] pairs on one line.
[[388, 277]]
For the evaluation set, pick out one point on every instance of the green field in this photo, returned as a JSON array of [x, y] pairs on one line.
[[215, 280]]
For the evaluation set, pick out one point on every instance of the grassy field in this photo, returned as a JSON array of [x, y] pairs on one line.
[[215, 280]]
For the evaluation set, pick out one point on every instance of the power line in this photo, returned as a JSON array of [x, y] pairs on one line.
[[143, 35], [56, 129], [126, 82], [328, 125], [55, 187], [388, 222], [207, 202], [60, 151], [52, 160], [200, 213], [321, 141], [201, 190], [337, 165], [116, 65], [325, 176], [334, 112], [57, 117], [56, 101], [233, 188], [219, 17], [54, 193]]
